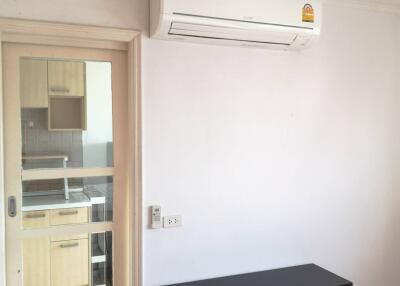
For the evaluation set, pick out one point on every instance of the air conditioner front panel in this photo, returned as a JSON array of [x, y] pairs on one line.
[[258, 23], [271, 11]]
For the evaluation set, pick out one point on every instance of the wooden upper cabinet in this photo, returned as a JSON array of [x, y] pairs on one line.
[[34, 83], [66, 78]]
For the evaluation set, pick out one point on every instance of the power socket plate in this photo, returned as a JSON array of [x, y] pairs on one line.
[[172, 221]]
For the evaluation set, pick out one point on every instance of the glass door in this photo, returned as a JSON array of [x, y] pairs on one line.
[[67, 166]]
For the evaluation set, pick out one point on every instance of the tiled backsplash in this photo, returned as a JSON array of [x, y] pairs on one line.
[[37, 140]]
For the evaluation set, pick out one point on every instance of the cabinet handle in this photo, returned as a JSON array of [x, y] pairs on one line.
[[35, 216], [69, 245], [55, 89], [68, 213]]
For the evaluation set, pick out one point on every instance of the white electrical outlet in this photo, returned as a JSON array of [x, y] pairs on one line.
[[172, 221]]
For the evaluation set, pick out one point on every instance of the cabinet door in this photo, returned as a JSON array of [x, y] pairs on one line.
[[70, 263], [36, 257], [34, 83], [66, 78]]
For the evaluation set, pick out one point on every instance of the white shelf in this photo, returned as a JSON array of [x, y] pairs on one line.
[[99, 259]]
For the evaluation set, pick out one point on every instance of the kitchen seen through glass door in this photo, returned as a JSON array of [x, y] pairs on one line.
[[66, 122]]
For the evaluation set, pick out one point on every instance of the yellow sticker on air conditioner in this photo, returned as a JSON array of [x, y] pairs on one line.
[[308, 13]]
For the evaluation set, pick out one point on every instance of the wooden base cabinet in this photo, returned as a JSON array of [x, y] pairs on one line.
[[69, 263], [56, 263], [36, 253]]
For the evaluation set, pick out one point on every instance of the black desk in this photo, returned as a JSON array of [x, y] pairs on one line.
[[304, 275]]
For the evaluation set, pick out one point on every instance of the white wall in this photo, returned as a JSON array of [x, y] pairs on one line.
[[273, 158], [116, 13]]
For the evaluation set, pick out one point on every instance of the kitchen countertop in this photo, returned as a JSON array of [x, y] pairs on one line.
[[50, 202], [45, 157]]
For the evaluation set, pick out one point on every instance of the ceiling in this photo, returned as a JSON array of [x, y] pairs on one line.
[[387, 1], [392, 3]]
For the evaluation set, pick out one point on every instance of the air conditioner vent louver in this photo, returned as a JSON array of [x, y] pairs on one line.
[[232, 33], [242, 21]]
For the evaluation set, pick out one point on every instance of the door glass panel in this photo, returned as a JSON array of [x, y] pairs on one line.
[[66, 114], [46, 202], [66, 122], [100, 192], [102, 258]]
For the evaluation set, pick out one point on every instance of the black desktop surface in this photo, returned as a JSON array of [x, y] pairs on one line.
[[304, 275]]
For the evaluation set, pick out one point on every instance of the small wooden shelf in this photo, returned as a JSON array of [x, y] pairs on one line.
[[66, 114]]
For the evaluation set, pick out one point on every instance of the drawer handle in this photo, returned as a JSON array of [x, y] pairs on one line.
[[35, 216], [54, 89], [68, 213], [69, 245]]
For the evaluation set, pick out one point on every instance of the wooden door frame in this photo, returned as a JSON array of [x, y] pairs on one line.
[[70, 35]]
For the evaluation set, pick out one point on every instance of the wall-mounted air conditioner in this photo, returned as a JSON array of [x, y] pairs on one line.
[[282, 24]]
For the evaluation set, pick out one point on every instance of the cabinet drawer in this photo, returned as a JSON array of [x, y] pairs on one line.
[[36, 219], [69, 216], [69, 262]]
